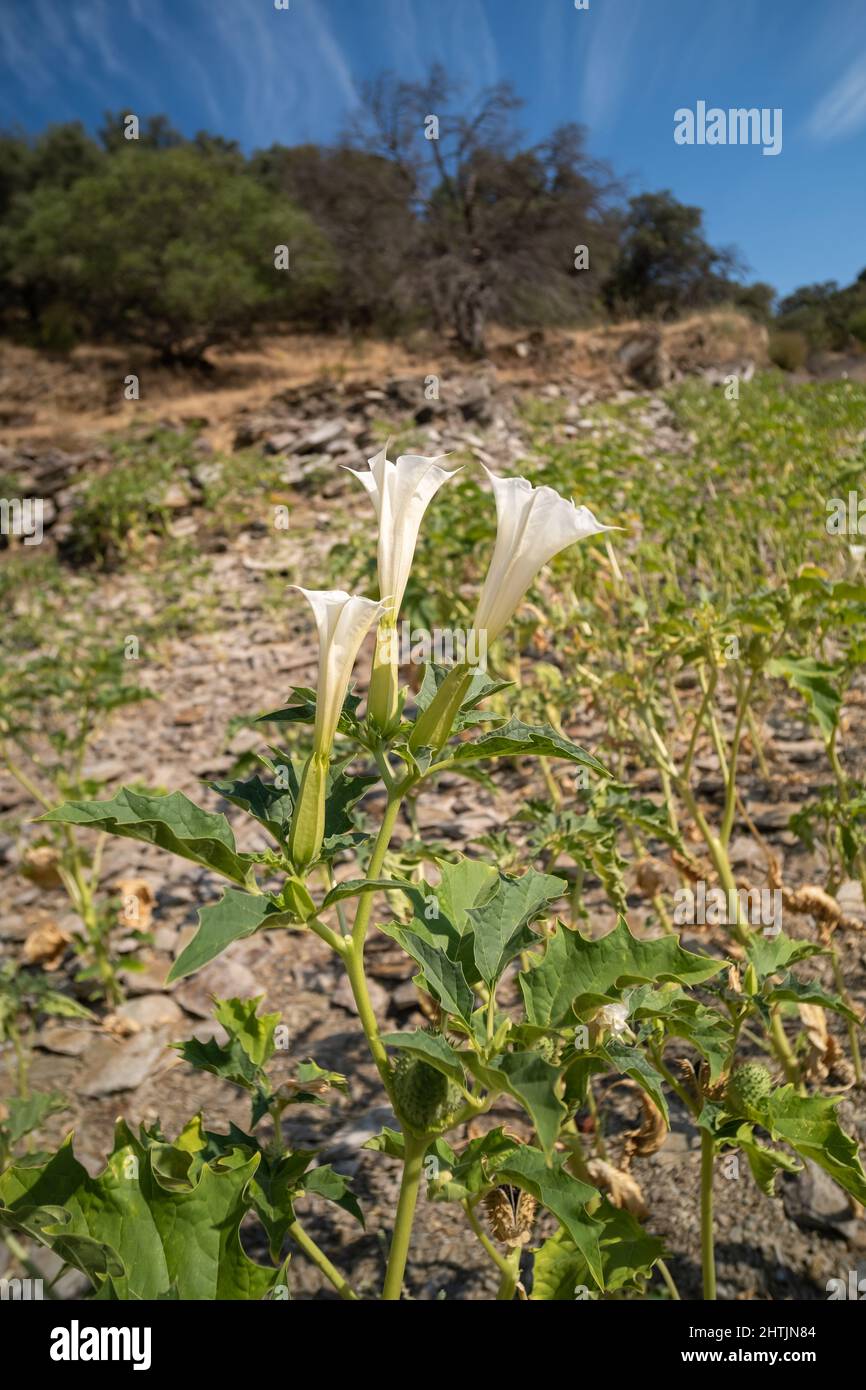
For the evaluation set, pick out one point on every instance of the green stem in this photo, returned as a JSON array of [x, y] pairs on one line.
[[708, 1258], [669, 1280], [511, 1275], [496, 1256], [853, 1040], [782, 1047], [318, 1257], [413, 1161]]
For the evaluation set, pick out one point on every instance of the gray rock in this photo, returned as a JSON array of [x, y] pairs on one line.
[[110, 1065], [227, 979], [151, 1011]]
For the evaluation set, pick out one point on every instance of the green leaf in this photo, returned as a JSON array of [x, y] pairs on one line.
[[560, 1193], [765, 1163], [630, 1061], [771, 954], [433, 1048], [352, 887], [253, 1032], [500, 927], [628, 1255], [516, 739], [683, 1017], [792, 990], [325, 1182], [27, 1113], [389, 1141], [533, 1081], [303, 711], [234, 917], [149, 1224], [572, 965], [172, 822], [267, 803], [813, 680], [810, 1126], [441, 977]]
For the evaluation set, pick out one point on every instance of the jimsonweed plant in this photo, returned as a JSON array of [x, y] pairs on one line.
[[526, 1009]]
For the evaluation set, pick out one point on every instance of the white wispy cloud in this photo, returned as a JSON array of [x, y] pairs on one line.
[[607, 67], [841, 111]]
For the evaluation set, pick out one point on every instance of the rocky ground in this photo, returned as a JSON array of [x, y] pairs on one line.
[[242, 662]]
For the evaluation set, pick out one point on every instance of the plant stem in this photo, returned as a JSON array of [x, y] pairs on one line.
[[782, 1047], [353, 959], [318, 1257], [853, 1040], [511, 1275], [498, 1259], [669, 1280], [708, 1258], [413, 1161]]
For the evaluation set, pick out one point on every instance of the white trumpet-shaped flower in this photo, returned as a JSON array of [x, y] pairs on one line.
[[401, 493], [533, 525], [343, 622]]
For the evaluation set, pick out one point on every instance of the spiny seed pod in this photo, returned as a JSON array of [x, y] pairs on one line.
[[747, 1086], [511, 1214], [426, 1099]]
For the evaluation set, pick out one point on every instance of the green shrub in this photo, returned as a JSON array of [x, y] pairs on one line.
[[788, 350], [857, 326]]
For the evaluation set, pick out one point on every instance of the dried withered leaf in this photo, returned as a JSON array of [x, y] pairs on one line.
[[45, 946], [41, 864], [120, 1027], [136, 903], [650, 876], [622, 1189]]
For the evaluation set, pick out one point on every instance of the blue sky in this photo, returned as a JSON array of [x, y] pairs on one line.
[[257, 74]]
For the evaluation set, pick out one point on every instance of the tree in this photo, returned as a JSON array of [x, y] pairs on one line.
[[665, 263], [168, 247], [497, 224], [360, 202]]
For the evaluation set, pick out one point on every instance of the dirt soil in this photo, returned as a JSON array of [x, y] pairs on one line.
[[781, 1248]]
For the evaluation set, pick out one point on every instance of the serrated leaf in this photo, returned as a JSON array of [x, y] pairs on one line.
[[148, 1234], [172, 822], [516, 739], [441, 977], [334, 1187], [235, 916], [628, 1254], [630, 1061], [560, 1193], [791, 990], [573, 965], [500, 927], [254, 1032], [814, 681], [533, 1082], [772, 954], [764, 1163], [267, 803], [810, 1126]]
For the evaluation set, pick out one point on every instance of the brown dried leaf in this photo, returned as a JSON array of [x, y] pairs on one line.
[[45, 946], [136, 903], [621, 1188]]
